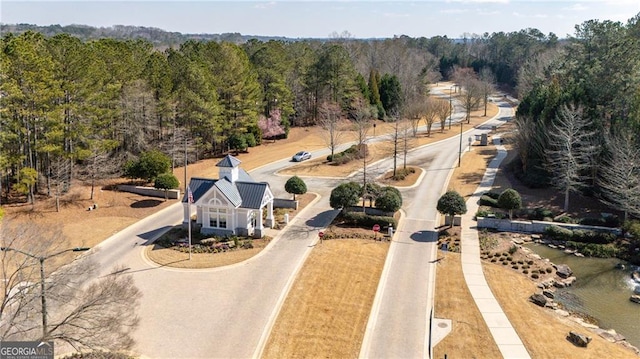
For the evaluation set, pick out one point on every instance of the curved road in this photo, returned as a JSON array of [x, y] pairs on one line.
[[227, 312]]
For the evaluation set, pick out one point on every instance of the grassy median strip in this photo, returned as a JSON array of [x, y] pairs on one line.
[[326, 311]]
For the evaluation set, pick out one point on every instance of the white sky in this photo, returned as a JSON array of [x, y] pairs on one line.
[[363, 19]]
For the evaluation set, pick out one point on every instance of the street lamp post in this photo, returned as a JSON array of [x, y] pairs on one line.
[[460, 151], [41, 259], [450, 105]]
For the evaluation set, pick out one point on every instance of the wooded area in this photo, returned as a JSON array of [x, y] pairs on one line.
[[77, 109]]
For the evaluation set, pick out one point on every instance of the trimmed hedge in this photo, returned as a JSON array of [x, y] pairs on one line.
[[488, 201], [586, 236], [558, 233], [366, 221], [494, 195]]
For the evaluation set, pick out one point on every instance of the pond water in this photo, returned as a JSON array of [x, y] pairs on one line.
[[601, 291]]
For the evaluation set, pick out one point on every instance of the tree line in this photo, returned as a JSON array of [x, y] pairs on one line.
[[78, 110], [579, 118]]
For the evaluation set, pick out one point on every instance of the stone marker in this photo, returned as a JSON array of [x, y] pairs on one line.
[[578, 339]]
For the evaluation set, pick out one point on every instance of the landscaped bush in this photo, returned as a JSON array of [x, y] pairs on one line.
[[491, 194], [594, 250], [558, 233], [482, 213], [597, 237], [540, 213], [535, 276], [389, 200], [366, 221], [403, 173], [488, 201], [564, 219], [609, 221]]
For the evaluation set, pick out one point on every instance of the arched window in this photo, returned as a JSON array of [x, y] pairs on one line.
[[217, 214]]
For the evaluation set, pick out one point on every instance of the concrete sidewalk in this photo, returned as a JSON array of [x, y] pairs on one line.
[[503, 333]]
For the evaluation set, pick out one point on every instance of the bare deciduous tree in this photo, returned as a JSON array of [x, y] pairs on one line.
[[487, 86], [570, 142], [100, 314], [443, 111], [330, 122], [620, 175], [431, 112], [471, 90]]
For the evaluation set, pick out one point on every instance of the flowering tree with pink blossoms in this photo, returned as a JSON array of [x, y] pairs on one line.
[[271, 126]]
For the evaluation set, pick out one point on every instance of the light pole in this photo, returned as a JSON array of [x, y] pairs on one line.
[[41, 259], [460, 152]]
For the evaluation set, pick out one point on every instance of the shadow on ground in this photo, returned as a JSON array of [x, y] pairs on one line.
[[146, 203]]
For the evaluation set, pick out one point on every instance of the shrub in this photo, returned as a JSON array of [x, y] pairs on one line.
[[564, 219], [166, 181], [558, 233], [488, 201], [513, 249], [451, 203], [148, 166], [295, 185], [345, 195], [548, 270], [510, 200], [366, 221], [525, 272], [535, 276], [388, 200], [403, 173], [597, 237], [482, 213], [250, 140], [238, 142], [541, 213], [491, 194], [594, 250]]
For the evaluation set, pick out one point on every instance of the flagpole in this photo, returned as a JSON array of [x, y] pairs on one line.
[[189, 202]]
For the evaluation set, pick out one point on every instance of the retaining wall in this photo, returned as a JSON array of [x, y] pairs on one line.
[[506, 225]]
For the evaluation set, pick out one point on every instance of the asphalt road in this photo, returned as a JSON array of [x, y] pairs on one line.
[[227, 312]]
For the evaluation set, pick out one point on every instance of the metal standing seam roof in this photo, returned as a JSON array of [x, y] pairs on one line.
[[228, 161], [244, 176], [199, 186], [230, 191], [252, 193]]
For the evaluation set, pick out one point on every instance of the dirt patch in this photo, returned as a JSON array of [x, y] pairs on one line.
[[326, 311]]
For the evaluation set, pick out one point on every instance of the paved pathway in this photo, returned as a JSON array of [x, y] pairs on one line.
[[503, 333]]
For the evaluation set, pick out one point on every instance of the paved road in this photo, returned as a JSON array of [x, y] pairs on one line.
[[399, 323], [225, 312]]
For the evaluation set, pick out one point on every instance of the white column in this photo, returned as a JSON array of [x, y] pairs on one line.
[[270, 214]]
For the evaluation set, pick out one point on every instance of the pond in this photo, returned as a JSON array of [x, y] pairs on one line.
[[601, 290]]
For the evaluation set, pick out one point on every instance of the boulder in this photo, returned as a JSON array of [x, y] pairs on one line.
[[636, 290], [578, 339], [635, 298], [562, 312], [548, 293], [563, 271], [538, 299]]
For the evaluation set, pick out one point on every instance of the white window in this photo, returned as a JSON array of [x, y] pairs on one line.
[[218, 217]]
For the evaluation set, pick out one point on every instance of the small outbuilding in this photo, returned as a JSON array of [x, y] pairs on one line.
[[233, 204]]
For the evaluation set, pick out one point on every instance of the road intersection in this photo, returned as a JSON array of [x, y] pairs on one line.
[[228, 312]]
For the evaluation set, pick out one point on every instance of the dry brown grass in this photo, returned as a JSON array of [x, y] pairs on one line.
[[326, 311], [542, 332], [470, 336]]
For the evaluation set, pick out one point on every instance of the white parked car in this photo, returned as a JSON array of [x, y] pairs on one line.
[[301, 156]]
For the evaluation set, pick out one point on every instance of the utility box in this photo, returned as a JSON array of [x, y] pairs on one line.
[[484, 140]]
